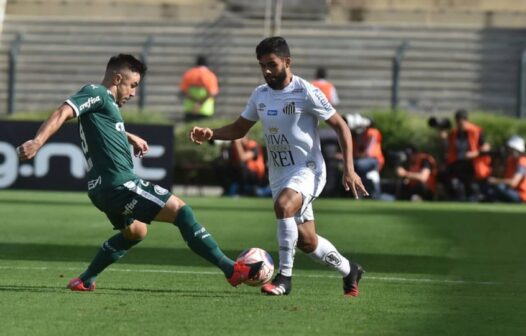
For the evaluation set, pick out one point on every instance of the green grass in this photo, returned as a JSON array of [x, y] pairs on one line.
[[432, 269]]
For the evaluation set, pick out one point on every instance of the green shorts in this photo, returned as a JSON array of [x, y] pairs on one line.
[[134, 200]]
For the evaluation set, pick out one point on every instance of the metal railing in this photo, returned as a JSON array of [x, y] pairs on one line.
[[521, 94], [144, 58], [11, 78], [395, 86]]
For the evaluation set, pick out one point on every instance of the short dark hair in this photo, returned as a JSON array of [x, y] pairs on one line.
[[201, 60], [273, 45], [321, 72], [461, 114], [126, 61]]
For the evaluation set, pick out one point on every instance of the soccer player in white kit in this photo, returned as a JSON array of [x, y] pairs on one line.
[[290, 108]]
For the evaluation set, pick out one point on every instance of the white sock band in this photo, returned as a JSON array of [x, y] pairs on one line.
[[287, 238], [325, 253]]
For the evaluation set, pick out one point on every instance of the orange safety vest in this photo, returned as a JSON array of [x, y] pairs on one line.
[[200, 76], [326, 87], [363, 143], [415, 165], [481, 164], [257, 165], [509, 172]]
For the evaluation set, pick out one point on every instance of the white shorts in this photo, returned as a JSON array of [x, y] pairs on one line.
[[305, 182]]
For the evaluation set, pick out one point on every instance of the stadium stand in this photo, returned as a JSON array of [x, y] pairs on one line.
[[446, 66]]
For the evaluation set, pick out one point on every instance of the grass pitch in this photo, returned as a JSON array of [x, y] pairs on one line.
[[432, 269]]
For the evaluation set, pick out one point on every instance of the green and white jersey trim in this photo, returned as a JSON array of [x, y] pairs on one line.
[[136, 188]]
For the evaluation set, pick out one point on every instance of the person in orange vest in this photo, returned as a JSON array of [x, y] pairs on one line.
[[367, 152], [512, 186], [326, 86], [467, 165], [199, 88], [245, 171], [418, 179]]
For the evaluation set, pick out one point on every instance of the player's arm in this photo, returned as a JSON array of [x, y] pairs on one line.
[[351, 180], [29, 149], [140, 146], [232, 131]]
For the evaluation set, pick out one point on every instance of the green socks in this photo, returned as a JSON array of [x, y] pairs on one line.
[[201, 242], [111, 250]]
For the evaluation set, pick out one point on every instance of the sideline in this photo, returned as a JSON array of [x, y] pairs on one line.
[[166, 271]]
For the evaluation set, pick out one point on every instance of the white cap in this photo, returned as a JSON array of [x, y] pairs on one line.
[[355, 120], [516, 142]]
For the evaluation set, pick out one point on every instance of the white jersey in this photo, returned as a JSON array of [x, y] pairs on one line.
[[290, 122]]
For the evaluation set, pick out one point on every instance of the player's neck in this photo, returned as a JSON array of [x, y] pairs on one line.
[[286, 82]]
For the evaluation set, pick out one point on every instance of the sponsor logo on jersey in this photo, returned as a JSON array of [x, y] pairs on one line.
[[280, 153], [94, 183], [89, 102], [273, 130], [93, 86], [261, 106], [128, 208], [332, 259], [290, 108], [160, 190], [272, 112], [298, 90]]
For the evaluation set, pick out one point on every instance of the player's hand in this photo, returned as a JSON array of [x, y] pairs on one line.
[[140, 146], [28, 149], [353, 182], [199, 135]]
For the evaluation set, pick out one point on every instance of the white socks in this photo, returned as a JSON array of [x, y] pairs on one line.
[[287, 238], [327, 254]]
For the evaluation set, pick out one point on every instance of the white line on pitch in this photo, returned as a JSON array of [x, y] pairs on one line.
[[368, 277]]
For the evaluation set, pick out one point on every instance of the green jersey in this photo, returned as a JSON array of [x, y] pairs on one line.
[[103, 138]]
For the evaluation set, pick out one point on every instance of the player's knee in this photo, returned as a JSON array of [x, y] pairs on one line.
[[284, 208], [136, 231]]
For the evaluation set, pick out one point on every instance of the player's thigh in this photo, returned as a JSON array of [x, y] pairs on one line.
[[138, 200], [169, 211]]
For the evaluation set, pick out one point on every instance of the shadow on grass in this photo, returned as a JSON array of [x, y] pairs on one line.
[[385, 263]]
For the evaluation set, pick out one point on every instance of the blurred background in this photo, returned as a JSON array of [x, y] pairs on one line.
[[404, 64]]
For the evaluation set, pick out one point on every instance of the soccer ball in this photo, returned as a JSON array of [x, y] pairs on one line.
[[254, 255]]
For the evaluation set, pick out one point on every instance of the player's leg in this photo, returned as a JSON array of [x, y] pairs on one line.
[[200, 241], [111, 251], [323, 251], [287, 203]]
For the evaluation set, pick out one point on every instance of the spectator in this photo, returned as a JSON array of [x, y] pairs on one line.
[[199, 87], [367, 152], [245, 172], [325, 86], [466, 164], [512, 187], [418, 181]]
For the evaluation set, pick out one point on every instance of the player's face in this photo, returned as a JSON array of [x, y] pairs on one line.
[[275, 70], [127, 86]]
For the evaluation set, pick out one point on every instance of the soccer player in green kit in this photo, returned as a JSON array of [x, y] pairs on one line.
[[129, 202]]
